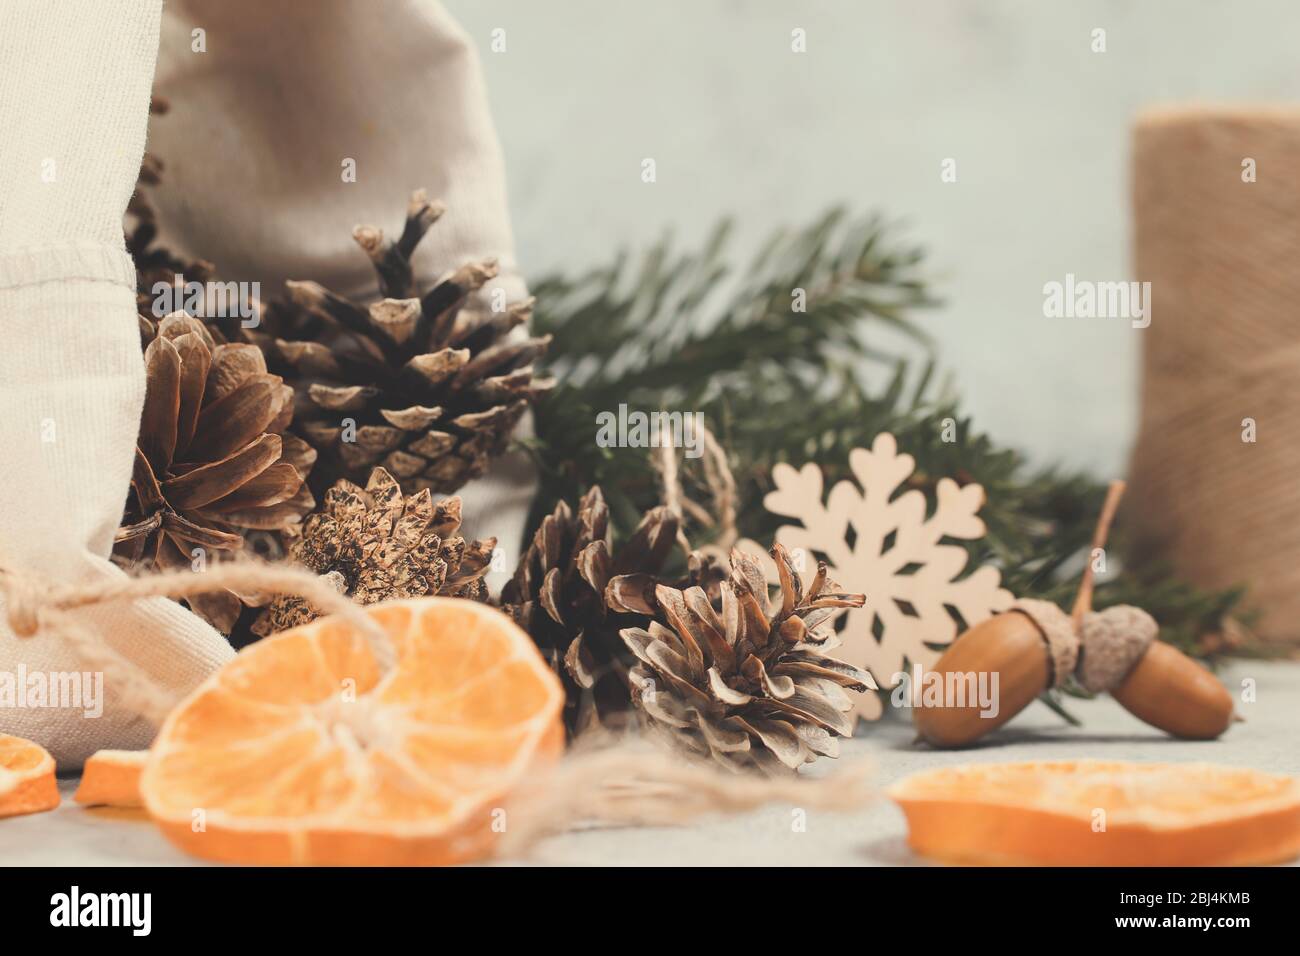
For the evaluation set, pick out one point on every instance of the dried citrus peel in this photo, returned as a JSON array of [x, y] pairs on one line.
[[27, 782], [302, 750], [111, 778], [1095, 813]]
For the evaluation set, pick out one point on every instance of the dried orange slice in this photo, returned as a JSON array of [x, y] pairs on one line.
[[1096, 813], [300, 751], [27, 783], [111, 778]]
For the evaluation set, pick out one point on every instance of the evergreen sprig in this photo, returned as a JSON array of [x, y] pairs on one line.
[[686, 332]]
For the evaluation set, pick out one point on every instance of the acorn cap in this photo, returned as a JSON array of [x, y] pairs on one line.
[[1058, 631], [1113, 641]]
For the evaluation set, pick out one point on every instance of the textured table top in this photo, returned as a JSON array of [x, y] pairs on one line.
[[1269, 740]]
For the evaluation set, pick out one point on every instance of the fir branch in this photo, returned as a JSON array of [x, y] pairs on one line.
[[685, 332]]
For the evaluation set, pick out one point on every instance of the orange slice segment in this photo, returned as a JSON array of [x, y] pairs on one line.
[[1095, 813], [111, 778], [27, 783], [300, 751]]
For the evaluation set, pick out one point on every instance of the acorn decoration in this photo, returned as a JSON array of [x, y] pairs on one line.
[[1036, 646]]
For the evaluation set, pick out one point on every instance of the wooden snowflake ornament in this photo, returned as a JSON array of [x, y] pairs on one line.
[[881, 543]]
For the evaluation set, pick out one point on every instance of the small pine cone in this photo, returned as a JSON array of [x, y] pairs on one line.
[[573, 592], [213, 463], [415, 381], [377, 545], [744, 683]]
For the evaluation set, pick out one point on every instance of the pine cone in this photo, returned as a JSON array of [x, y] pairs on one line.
[[745, 684], [433, 390], [154, 263], [564, 594], [376, 545], [212, 460]]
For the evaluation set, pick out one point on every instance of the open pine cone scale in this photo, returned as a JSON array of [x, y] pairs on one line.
[[745, 683], [433, 389]]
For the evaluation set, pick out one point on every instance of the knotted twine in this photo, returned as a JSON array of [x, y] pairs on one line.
[[1216, 199], [38, 605], [629, 783]]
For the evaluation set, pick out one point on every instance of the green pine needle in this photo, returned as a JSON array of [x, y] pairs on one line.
[[687, 332]]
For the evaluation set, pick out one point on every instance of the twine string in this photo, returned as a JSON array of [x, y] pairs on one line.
[[719, 481], [636, 783], [37, 605]]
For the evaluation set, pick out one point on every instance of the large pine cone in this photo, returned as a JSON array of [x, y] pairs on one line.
[[377, 545], [573, 592], [212, 460], [414, 381], [747, 684]]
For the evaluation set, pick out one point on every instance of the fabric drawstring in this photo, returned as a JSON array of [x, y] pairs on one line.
[[37, 605]]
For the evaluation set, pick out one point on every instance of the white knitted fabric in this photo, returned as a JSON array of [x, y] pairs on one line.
[[260, 125], [74, 95]]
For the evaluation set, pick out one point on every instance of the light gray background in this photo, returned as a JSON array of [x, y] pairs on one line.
[[738, 124]]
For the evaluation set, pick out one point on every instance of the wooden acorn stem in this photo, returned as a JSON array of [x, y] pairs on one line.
[[1083, 599]]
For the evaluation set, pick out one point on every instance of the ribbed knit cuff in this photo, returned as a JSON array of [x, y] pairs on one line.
[[72, 260]]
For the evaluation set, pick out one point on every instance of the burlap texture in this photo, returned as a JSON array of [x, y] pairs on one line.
[[1223, 257]]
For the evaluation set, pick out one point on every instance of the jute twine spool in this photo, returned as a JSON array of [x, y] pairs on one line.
[[1223, 259]]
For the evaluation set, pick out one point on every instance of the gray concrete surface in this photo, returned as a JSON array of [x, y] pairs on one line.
[[1269, 740]]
